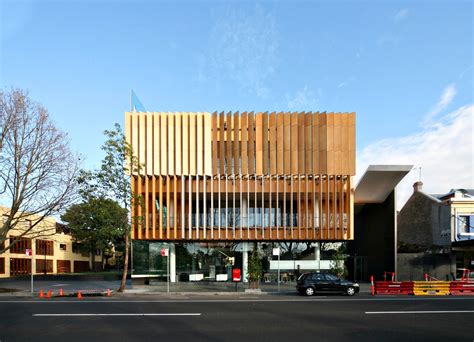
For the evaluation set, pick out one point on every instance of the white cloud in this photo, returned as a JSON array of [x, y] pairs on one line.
[[242, 48], [446, 98], [303, 100], [444, 150], [346, 82], [401, 15], [343, 84]]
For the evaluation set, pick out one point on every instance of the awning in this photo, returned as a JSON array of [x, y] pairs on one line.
[[378, 182]]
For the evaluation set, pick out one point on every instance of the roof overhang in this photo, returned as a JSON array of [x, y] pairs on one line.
[[378, 182]]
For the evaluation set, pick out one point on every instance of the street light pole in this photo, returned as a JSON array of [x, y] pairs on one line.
[[31, 271]]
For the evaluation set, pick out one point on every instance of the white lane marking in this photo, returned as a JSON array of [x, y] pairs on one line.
[[116, 314], [61, 285], [418, 312]]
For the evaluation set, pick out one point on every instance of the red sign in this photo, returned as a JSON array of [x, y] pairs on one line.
[[164, 252], [29, 252], [236, 274]]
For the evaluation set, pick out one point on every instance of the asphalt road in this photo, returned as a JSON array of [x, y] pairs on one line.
[[239, 318]]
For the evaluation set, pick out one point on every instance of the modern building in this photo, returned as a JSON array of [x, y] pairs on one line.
[[52, 248], [436, 233], [213, 183], [374, 248]]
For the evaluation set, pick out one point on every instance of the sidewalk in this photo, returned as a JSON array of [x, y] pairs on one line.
[[222, 288], [22, 288], [11, 287]]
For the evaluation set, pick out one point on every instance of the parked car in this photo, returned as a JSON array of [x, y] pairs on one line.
[[316, 282]]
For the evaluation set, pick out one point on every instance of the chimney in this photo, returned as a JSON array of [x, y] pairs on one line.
[[418, 186]]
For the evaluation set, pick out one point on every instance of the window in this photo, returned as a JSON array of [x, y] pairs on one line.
[[62, 246], [466, 224], [2, 265], [318, 277], [19, 245], [20, 266], [44, 266], [44, 247], [331, 277]]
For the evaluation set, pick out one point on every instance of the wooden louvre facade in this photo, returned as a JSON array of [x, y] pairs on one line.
[[243, 176]]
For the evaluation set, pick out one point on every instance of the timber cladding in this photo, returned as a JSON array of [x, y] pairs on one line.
[[243, 176]]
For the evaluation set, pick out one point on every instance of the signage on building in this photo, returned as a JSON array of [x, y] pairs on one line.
[[276, 251], [164, 252], [28, 252], [236, 276]]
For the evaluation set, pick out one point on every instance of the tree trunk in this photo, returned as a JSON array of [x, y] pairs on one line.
[[93, 260], [254, 284], [125, 265]]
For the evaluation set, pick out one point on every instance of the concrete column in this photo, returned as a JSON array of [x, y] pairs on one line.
[[317, 255], [172, 256], [245, 261]]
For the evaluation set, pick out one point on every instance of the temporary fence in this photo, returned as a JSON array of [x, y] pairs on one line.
[[431, 288], [74, 293], [394, 288], [464, 287]]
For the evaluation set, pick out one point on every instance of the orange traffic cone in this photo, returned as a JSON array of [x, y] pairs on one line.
[[108, 292], [41, 295], [61, 293], [79, 295], [48, 295]]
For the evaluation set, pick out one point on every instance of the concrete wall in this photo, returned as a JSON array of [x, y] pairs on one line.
[[374, 238], [413, 266]]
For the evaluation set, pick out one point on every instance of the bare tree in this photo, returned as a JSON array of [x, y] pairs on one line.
[[8, 104], [37, 168]]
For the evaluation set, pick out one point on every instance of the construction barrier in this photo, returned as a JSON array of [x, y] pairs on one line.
[[431, 288], [461, 288], [392, 275], [394, 288], [372, 286], [75, 293]]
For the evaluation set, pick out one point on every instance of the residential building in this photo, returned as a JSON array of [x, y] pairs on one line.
[[436, 233], [53, 249]]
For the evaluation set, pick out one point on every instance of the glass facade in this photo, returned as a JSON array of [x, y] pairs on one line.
[[214, 261]]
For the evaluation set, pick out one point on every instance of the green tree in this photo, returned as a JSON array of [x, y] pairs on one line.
[[96, 224], [338, 268], [254, 270], [113, 181]]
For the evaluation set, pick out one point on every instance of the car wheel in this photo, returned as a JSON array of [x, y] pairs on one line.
[[309, 291], [350, 291]]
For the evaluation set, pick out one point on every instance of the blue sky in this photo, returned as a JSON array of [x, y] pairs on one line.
[[403, 67]]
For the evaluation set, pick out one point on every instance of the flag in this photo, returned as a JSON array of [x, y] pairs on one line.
[[135, 104]]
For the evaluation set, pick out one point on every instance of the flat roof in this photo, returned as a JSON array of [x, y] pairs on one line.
[[378, 182]]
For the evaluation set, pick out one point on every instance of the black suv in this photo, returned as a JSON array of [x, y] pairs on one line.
[[310, 283]]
